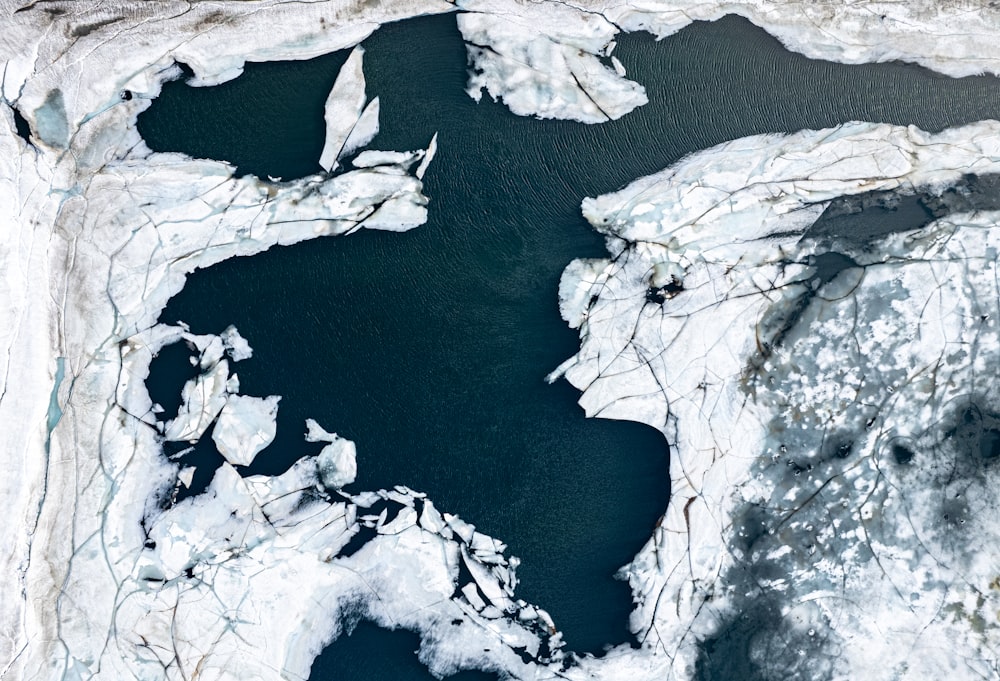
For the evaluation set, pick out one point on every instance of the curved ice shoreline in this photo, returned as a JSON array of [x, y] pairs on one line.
[[103, 232]]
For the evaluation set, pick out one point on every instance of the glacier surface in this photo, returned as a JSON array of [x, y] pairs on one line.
[[833, 436]]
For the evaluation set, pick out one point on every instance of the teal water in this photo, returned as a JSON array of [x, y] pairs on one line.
[[429, 348]]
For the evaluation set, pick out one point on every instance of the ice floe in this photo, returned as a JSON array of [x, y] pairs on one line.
[[337, 462], [345, 109], [246, 425], [202, 400]]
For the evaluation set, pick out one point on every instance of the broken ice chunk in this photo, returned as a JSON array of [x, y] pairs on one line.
[[364, 130], [245, 427], [618, 66], [471, 594], [486, 549], [487, 583], [372, 158], [186, 475], [431, 520], [236, 345], [407, 517], [315, 432], [343, 108], [211, 352], [397, 214], [338, 462], [428, 157], [547, 73], [202, 399], [463, 529], [402, 495]]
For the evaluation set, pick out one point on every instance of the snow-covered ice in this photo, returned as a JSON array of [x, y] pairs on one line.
[[345, 111], [337, 462], [832, 434], [100, 232], [246, 425]]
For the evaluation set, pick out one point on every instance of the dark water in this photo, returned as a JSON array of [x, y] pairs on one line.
[[380, 655], [429, 348]]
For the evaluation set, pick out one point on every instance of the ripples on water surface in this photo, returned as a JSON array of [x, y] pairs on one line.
[[429, 348]]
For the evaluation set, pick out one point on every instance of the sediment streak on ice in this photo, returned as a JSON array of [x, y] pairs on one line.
[[832, 440]]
